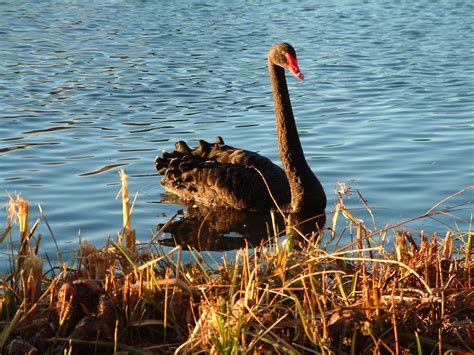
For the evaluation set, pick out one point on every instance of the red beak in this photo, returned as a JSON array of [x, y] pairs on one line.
[[293, 66]]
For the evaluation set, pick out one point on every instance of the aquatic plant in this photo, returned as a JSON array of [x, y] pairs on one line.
[[347, 289]]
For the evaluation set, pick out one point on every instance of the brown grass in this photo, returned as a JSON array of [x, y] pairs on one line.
[[412, 295]]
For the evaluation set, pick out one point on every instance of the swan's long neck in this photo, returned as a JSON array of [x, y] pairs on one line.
[[307, 194]]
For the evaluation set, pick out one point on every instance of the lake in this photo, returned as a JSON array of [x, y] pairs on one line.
[[90, 87]]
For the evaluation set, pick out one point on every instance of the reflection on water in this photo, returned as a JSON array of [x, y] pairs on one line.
[[222, 229], [218, 230], [101, 170]]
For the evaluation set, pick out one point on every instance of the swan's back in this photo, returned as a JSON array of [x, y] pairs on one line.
[[219, 175]]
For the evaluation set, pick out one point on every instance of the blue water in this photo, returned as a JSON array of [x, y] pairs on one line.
[[89, 87]]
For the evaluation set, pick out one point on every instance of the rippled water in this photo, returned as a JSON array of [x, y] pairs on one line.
[[89, 87]]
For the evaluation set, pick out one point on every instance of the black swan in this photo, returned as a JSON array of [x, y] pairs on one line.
[[215, 174]]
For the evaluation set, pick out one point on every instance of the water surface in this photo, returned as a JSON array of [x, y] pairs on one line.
[[87, 88]]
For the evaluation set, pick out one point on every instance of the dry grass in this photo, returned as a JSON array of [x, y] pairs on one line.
[[414, 295]]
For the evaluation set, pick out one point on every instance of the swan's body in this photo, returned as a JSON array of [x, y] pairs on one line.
[[220, 175]]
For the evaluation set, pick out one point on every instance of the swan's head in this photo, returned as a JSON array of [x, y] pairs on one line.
[[284, 55]]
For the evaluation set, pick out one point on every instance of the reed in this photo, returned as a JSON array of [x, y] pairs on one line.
[[18, 211], [127, 232], [354, 289]]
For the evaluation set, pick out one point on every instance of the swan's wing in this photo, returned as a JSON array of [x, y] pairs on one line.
[[225, 154], [219, 175]]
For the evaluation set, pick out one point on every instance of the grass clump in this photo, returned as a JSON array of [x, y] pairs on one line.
[[338, 290]]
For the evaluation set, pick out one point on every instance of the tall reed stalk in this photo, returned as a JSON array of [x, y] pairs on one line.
[[352, 289]]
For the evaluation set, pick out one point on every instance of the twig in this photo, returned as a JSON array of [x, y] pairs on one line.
[[58, 252], [269, 192], [449, 198]]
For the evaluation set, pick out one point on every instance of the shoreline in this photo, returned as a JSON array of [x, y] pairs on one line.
[[292, 297]]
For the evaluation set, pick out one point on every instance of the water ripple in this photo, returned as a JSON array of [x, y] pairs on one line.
[[88, 87]]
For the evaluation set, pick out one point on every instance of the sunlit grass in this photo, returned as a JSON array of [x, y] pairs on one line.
[[347, 289]]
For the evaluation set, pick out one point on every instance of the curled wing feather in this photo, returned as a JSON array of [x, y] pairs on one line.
[[217, 174]]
